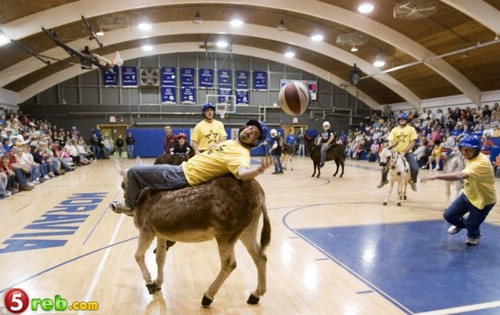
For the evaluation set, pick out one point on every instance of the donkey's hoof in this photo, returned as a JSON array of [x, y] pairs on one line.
[[399, 204], [206, 301], [253, 299], [404, 198], [153, 287], [385, 203]]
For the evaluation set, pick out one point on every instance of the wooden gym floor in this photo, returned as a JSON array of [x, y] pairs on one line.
[[335, 249]]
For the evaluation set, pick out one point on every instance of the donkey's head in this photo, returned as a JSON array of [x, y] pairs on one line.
[[385, 158]]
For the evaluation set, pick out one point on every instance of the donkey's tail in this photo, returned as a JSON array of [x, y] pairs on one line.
[[265, 235]]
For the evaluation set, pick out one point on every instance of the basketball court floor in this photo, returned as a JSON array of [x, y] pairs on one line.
[[335, 249]]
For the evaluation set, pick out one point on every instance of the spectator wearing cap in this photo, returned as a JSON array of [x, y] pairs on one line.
[[181, 147]]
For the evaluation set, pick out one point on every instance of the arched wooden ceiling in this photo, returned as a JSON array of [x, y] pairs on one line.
[[455, 51]]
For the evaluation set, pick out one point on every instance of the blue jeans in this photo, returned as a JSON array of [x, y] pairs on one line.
[[324, 148], [157, 177], [277, 163], [456, 211], [130, 151]]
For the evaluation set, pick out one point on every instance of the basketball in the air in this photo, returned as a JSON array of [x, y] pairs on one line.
[[294, 98]]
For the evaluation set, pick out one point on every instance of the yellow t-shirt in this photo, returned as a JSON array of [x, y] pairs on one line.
[[207, 134], [479, 187], [224, 158], [402, 137]]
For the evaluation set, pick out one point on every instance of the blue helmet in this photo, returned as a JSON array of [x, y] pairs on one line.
[[207, 106], [470, 142], [263, 130], [403, 116]]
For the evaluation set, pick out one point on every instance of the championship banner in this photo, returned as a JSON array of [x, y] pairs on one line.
[[225, 79], [168, 76], [110, 79], [206, 78], [223, 99], [260, 80], [129, 77], [242, 80], [168, 95], [188, 95], [187, 77], [242, 97]]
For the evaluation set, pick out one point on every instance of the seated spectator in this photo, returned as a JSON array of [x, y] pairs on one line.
[[21, 172], [180, 147], [436, 155], [422, 153]]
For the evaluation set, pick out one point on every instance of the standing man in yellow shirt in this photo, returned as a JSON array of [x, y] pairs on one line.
[[207, 132], [479, 195]]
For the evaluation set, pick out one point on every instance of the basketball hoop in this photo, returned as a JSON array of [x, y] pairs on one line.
[[222, 113]]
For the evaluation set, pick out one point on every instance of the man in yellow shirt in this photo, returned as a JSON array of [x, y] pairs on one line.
[[207, 132], [479, 195], [403, 137], [228, 157]]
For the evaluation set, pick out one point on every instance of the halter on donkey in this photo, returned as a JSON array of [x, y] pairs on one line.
[[399, 171]]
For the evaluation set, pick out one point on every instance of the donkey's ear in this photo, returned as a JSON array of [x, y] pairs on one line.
[[121, 168]]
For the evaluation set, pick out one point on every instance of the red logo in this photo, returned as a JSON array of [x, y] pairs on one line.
[[16, 301]]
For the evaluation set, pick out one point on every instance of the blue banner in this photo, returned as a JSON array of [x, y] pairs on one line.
[[129, 76], [188, 95], [242, 97], [168, 95], [187, 77], [168, 76], [242, 80], [222, 99], [206, 78], [110, 78], [260, 80], [225, 79]]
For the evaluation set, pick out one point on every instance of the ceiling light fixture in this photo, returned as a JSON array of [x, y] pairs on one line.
[[354, 48], [4, 40], [379, 61], [100, 32], [197, 19], [144, 26], [281, 26], [147, 47], [222, 44], [317, 37], [365, 8], [236, 23], [289, 54]]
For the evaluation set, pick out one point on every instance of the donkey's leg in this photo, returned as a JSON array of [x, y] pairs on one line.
[[314, 168], [227, 264], [391, 186], [161, 253], [400, 191], [291, 163], [248, 238], [342, 165], [146, 237]]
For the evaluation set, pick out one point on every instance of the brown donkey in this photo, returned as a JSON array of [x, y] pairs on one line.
[[225, 208]]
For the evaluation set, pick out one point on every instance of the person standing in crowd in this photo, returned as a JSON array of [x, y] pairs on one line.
[[276, 151], [290, 140], [326, 139], [479, 195], [403, 138], [207, 132], [169, 140], [130, 141], [301, 141], [119, 145]]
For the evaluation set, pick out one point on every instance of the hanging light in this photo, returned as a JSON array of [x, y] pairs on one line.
[[4, 40], [281, 26], [197, 19], [289, 54], [379, 61], [100, 32], [354, 48]]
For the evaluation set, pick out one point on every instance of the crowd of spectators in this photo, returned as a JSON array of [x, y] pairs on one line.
[[34, 151], [439, 132]]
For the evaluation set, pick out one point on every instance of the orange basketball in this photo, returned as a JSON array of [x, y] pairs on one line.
[[294, 98]]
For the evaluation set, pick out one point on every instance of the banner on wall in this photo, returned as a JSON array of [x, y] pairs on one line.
[[168, 76], [311, 85], [223, 92], [242, 80], [168, 95], [187, 77], [242, 97], [188, 95], [225, 78], [206, 78], [260, 80], [110, 79], [129, 77]]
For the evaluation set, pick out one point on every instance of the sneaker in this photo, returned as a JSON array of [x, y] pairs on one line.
[[412, 185], [275, 172], [454, 229], [119, 207], [472, 241], [383, 183]]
